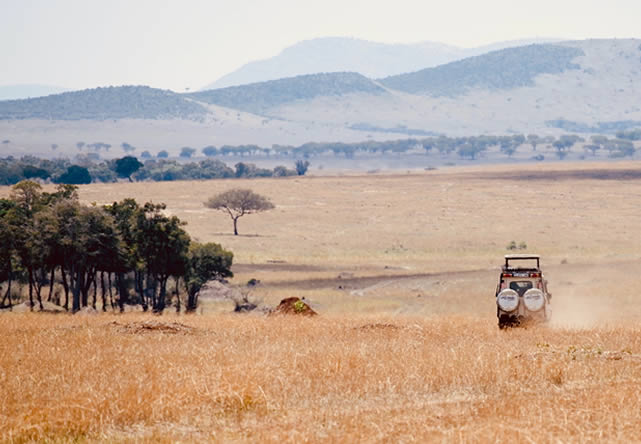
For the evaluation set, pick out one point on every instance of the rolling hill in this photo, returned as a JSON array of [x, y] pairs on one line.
[[259, 97], [123, 102], [589, 86], [497, 70]]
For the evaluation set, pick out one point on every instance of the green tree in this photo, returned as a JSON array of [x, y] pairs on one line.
[[592, 147], [206, 262], [163, 245], [7, 240], [163, 154], [210, 151], [238, 202], [187, 152], [75, 175], [301, 167], [126, 166], [533, 140], [27, 239]]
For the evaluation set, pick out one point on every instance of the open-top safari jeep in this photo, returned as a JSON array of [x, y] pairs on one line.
[[522, 294]]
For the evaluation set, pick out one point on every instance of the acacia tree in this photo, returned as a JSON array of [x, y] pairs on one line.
[[237, 202]]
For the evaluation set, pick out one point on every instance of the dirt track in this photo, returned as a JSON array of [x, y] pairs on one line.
[[583, 294]]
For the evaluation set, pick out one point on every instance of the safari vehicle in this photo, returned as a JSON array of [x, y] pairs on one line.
[[522, 295]]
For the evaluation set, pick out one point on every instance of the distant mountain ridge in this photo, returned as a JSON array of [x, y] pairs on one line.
[[258, 97], [496, 70], [340, 54], [122, 102], [588, 86]]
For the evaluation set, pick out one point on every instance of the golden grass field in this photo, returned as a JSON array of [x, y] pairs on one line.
[[402, 269]]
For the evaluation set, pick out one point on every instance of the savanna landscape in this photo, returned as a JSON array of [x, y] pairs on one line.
[[401, 268]]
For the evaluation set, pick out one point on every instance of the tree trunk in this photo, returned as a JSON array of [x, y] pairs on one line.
[[192, 300], [37, 282], [159, 306], [77, 290], [8, 293], [65, 285], [122, 291], [84, 291], [52, 279], [111, 296], [177, 294], [95, 292], [30, 289], [9, 287], [103, 291], [235, 226]]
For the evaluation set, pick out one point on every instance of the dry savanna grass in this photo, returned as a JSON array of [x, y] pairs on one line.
[[401, 269], [335, 378]]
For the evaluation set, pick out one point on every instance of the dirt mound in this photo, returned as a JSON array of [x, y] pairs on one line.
[[294, 306], [152, 326]]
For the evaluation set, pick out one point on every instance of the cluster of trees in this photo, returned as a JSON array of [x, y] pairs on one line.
[[86, 170], [77, 255], [465, 147], [87, 167]]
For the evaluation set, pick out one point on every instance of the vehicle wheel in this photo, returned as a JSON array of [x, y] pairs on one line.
[[507, 322]]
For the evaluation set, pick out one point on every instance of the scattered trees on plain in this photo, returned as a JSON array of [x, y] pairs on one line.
[[238, 202], [161, 168], [103, 257]]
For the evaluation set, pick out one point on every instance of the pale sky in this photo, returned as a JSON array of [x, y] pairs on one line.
[[182, 44]]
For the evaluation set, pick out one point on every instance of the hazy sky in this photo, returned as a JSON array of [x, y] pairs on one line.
[[189, 43]]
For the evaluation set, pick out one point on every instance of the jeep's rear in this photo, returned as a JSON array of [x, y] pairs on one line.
[[521, 294]]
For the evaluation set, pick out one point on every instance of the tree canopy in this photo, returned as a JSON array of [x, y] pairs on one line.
[[237, 202], [126, 166]]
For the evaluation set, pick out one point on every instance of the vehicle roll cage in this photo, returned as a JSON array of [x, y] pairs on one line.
[[511, 258]]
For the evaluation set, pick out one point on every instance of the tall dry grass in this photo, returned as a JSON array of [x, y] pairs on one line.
[[395, 359], [337, 378]]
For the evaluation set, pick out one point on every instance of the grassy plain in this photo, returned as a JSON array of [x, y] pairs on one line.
[[402, 269]]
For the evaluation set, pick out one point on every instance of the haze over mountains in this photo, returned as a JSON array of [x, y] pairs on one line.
[[371, 59], [590, 86]]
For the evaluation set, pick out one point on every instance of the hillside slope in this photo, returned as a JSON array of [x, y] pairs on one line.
[[503, 69], [258, 97], [593, 85], [137, 102]]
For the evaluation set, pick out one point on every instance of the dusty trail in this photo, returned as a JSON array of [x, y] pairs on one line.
[[345, 278], [584, 294]]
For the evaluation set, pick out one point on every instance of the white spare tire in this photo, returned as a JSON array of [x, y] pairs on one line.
[[508, 300], [534, 299]]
